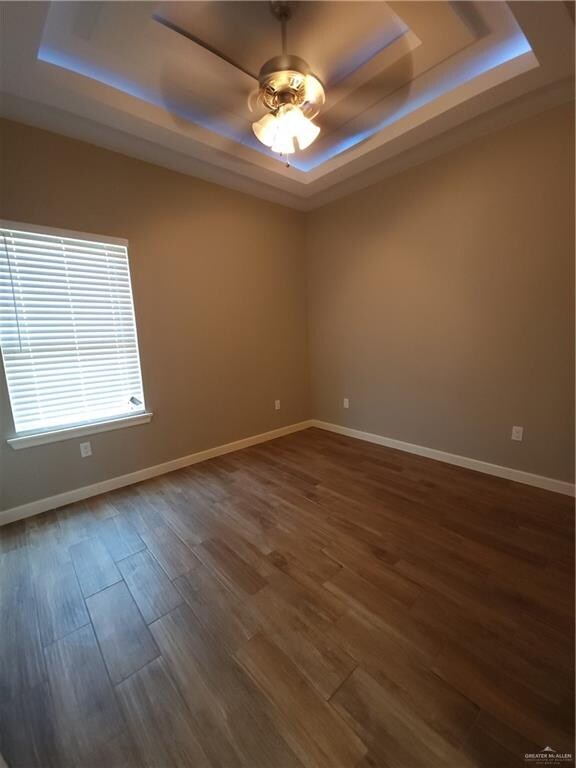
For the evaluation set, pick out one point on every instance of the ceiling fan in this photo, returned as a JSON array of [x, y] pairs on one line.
[[288, 96], [291, 94]]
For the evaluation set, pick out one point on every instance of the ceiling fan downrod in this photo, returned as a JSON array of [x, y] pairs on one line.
[[281, 10]]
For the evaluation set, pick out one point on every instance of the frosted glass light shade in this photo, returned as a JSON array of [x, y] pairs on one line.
[[283, 142], [265, 129], [303, 129], [286, 131]]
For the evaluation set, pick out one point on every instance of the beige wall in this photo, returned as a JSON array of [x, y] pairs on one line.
[[441, 302], [218, 281]]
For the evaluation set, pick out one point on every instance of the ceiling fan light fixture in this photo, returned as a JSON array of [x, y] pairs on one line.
[[283, 144], [291, 94], [305, 130], [286, 131], [292, 122], [265, 129]]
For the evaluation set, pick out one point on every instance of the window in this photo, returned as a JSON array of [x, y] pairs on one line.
[[67, 329]]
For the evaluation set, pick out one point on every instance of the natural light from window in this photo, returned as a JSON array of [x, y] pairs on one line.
[[67, 328]]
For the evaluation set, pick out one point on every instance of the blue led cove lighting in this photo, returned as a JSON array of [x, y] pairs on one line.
[[500, 54]]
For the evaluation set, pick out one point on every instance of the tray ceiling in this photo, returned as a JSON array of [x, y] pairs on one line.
[[176, 77]]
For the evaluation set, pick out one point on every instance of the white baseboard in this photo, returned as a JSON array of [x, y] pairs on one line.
[[69, 497], [517, 475], [78, 494]]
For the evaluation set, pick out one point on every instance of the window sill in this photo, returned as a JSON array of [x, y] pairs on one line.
[[66, 433]]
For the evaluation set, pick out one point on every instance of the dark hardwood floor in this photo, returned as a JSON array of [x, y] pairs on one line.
[[313, 601]]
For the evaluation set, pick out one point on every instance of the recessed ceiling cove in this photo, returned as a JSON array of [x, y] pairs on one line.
[[179, 79]]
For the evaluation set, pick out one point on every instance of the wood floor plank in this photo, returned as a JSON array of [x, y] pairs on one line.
[[94, 567], [377, 573], [233, 722], [159, 719], [189, 517], [496, 602], [61, 607], [178, 515], [248, 553], [297, 561], [21, 656], [392, 730], [76, 522], [44, 532], [101, 507], [316, 733], [491, 689], [380, 608], [490, 744], [404, 670], [27, 729], [317, 601], [123, 636], [235, 572], [90, 729], [315, 604], [152, 590], [218, 609], [235, 515], [13, 536], [120, 537], [134, 505], [320, 658], [173, 555]]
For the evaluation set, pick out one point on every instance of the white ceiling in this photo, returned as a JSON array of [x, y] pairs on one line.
[[169, 82]]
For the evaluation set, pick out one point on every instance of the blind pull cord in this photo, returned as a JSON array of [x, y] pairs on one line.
[[16, 313]]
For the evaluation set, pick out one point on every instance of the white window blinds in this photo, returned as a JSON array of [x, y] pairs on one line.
[[67, 328]]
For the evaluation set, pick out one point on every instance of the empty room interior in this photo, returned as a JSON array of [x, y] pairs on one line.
[[287, 384]]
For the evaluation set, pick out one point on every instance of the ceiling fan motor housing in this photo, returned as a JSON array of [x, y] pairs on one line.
[[286, 80]]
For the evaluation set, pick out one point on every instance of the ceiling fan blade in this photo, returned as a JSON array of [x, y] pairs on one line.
[[197, 41], [392, 85], [313, 91], [254, 102], [189, 107]]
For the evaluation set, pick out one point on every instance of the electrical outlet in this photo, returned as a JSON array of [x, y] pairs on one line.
[[85, 450], [346, 403], [276, 405], [517, 433]]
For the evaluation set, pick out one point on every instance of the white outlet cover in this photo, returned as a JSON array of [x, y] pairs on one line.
[[346, 403], [517, 433], [276, 405], [85, 450]]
